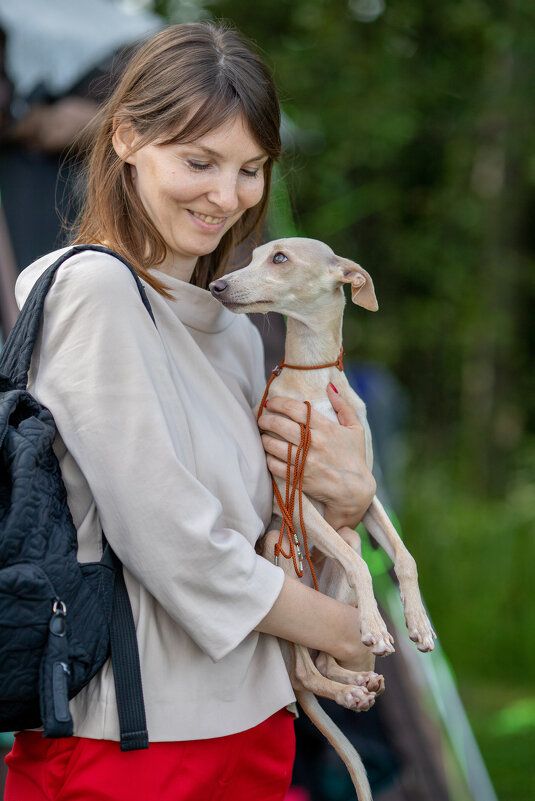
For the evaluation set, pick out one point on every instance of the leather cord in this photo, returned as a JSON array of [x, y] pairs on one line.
[[294, 484]]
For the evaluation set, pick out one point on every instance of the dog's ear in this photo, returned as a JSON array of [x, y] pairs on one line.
[[362, 291]]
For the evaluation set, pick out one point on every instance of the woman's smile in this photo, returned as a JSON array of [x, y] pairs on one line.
[[207, 222]]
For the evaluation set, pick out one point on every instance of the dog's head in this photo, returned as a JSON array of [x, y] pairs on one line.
[[293, 276]]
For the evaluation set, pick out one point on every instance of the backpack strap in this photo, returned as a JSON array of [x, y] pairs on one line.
[[17, 351], [125, 661], [15, 363]]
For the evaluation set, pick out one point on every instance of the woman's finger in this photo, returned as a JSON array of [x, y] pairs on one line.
[[278, 448], [295, 410], [280, 425], [276, 467], [346, 414]]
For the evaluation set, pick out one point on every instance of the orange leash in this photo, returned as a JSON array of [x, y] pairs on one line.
[[295, 483]]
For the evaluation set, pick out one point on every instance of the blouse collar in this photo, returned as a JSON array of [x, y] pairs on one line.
[[195, 307]]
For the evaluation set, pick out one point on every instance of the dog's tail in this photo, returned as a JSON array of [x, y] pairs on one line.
[[339, 742]]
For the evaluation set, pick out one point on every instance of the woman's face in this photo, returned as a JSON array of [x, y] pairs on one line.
[[193, 193]]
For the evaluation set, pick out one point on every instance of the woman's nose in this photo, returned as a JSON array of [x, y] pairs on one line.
[[224, 194]]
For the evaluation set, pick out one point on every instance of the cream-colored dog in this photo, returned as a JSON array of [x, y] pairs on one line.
[[303, 279]]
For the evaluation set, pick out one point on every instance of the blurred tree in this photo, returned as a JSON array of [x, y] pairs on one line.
[[414, 154]]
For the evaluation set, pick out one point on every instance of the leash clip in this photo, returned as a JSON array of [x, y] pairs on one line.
[[277, 370]]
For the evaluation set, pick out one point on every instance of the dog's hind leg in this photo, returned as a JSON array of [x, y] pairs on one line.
[[329, 667], [304, 675]]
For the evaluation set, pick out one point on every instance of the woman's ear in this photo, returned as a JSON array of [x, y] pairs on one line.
[[124, 141], [362, 291]]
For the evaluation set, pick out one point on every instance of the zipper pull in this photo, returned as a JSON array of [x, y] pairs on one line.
[[55, 673], [60, 668], [57, 625], [60, 672]]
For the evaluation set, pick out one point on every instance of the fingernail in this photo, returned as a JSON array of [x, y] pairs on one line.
[[332, 385], [265, 403]]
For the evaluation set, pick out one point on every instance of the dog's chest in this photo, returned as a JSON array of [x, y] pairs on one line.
[[325, 407], [306, 387]]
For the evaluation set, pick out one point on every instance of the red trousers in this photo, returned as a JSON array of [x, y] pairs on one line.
[[254, 765]]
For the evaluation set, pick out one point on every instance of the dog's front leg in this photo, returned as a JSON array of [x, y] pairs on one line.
[[353, 691], [332, 582], [382, 530], [372, 626]]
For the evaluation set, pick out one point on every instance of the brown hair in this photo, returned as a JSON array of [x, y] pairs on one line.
[[178, 86]]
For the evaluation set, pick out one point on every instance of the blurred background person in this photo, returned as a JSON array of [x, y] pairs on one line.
[[58, 63]]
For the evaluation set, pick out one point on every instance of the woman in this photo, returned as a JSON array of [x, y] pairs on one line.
[[158, 444]]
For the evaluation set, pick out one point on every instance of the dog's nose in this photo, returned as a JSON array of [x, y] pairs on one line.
[[217, 287]]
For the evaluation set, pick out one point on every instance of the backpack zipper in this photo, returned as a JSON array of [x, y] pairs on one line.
[[60, 668], [58, 629]]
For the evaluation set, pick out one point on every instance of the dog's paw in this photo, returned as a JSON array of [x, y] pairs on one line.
[[329, 667], [375, 635], [371, 681], [374, 682], [420, 630], [356, 698]]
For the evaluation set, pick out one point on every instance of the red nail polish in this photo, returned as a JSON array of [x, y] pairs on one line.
[[265, 403], [332, 385]]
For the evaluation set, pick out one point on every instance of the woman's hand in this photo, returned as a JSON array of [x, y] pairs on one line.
[[335, 472], [51, 128]]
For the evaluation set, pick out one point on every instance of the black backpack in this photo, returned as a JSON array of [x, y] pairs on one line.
[[59, 619]]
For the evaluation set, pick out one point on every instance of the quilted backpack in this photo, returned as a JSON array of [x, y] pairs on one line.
[[59, 619]]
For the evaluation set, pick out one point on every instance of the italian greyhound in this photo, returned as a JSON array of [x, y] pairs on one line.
[[303, 279]]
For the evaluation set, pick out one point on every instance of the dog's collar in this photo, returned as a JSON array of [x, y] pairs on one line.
[[338, 363], [278, 369]]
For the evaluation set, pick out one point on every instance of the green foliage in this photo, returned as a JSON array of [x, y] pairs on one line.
[[412, 153], [475, 558], [500, 715]]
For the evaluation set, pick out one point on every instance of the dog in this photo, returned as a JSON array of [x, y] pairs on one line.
[[303, 279]]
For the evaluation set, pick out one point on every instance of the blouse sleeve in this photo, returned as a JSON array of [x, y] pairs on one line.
[[103, 373]]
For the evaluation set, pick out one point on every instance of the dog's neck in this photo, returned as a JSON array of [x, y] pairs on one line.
[[314, 342]]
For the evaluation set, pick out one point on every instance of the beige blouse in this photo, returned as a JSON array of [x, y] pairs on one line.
[[158, 444]]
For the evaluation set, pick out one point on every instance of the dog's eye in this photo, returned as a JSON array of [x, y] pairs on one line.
[[279, 258]]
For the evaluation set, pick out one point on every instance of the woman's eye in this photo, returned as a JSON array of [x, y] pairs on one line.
[[279, 258], [198, 165], [250, 173]]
